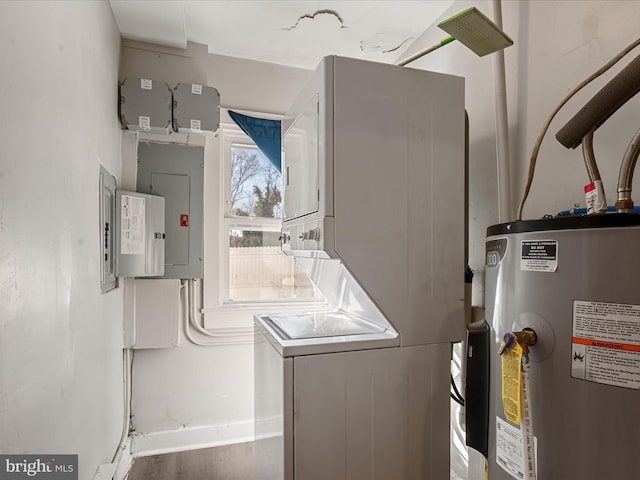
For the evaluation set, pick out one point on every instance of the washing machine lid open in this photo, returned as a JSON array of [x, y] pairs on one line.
[[322, 324], [310, 333]]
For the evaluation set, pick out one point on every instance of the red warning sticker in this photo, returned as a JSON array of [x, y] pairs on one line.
[[611, 345], [184, 220]]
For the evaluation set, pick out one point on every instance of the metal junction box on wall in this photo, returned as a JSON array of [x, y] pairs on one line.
[[156, 314], [175, 172], [145, 105], [196, 108]]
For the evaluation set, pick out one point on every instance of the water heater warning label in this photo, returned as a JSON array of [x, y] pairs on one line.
[[509, 448], [509, 453], [539, 255], [606, 343]]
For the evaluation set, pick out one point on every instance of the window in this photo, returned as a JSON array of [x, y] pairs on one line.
[[256, 268]]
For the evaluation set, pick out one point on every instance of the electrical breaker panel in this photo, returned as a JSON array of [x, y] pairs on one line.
[[107, 227], [140, 235], [196, 108], [176, 172], [145, 105]]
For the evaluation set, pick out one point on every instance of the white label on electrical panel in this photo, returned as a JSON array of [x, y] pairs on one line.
[[146, 84], [196, 89], [144, 123], [606, 343], [195, 125], [509, 449], [132, 226], [539, 255]]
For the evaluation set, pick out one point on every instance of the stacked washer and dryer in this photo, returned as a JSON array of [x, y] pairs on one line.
[[373, 169]]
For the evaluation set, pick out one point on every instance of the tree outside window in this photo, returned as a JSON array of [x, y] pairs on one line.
[[258, 270]]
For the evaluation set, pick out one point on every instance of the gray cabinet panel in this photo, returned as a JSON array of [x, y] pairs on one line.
[[175, 190], [176, 172]]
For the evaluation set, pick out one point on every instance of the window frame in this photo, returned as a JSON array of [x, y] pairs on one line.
[[230, 135]]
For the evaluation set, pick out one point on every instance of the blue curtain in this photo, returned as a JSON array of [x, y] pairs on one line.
[[266, 134]]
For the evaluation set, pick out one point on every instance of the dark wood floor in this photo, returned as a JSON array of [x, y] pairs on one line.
[[228, 462]]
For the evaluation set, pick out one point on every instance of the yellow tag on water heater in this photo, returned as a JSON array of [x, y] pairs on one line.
[[512, 383]]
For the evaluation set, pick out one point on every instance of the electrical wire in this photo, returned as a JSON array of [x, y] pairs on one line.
[[536, 148], [455, 395]]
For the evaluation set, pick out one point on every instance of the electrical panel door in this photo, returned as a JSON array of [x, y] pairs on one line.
[[175, 172], [176, 189], [139, 235], [107, 227]]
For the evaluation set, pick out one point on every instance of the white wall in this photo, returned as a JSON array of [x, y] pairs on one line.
[[195, 396], [565, 43], [60, 339], [255, 86]]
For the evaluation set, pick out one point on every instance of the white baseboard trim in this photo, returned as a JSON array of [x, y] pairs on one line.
[[191, 438], [268, 427]]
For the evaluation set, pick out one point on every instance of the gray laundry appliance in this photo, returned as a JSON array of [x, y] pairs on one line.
[[373, 169]]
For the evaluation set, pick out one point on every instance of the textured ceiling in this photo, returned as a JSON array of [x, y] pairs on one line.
[[293, 33]]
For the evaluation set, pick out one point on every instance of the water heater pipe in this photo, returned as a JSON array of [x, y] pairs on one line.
[[593, 172], [505, 213], [618, 91], [590, 158], [625, 178]]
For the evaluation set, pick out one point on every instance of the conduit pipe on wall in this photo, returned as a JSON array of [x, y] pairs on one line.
[[505, 209], [127, 368], [214, 339]]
